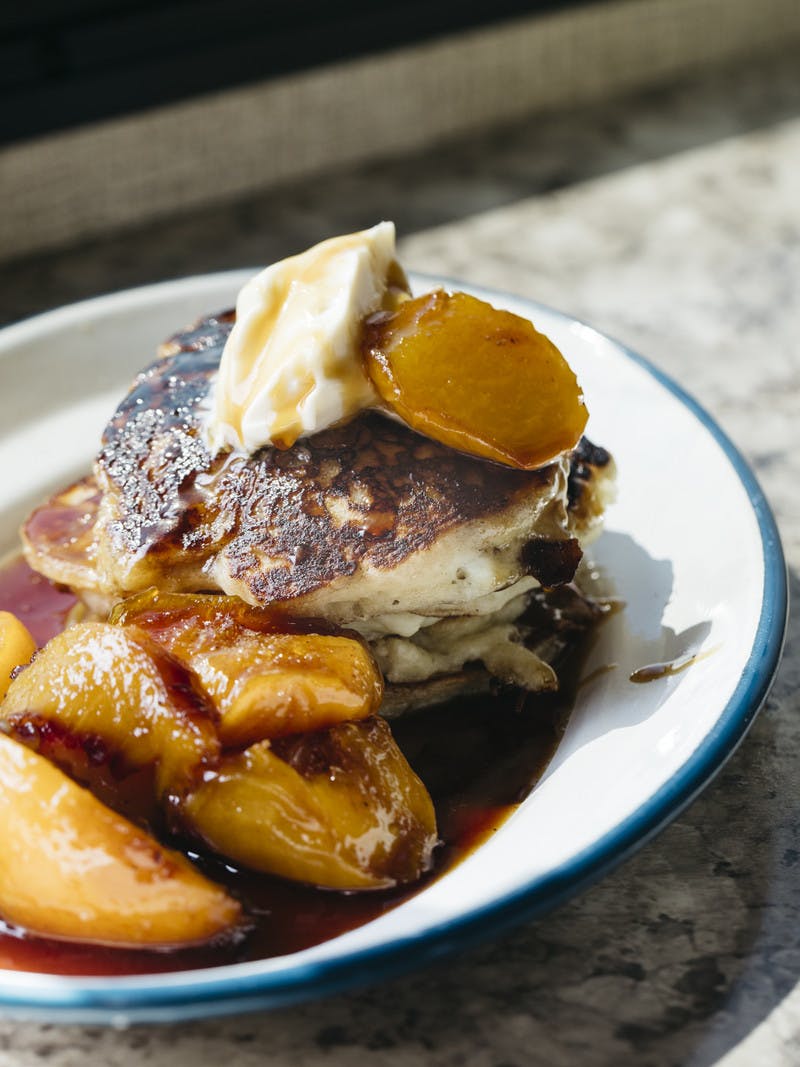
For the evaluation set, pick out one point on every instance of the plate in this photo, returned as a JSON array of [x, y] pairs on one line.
[[690, 546]]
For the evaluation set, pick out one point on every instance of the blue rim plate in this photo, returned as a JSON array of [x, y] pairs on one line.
[[677, 469]]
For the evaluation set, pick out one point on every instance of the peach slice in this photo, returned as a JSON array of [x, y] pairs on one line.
[[264, 683], [475, 378], [72, 869], [99, 697], [340, 809], [16, 648]]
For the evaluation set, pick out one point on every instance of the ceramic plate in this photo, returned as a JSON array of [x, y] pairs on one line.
[[690, 546]]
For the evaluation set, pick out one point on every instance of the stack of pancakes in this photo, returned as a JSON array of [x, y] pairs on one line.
[[432, 555]]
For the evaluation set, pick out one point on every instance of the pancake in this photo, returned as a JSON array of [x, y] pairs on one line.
[[367, 525]]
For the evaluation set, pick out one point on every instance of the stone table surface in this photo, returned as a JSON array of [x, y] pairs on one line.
[[672, 221]]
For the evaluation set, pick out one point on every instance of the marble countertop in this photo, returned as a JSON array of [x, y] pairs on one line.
[[672, 221]]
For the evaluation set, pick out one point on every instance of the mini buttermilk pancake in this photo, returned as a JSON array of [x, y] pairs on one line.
[[430, 554]]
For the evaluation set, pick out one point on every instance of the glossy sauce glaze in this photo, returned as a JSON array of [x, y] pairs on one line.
[[652, 672], [478, 757]]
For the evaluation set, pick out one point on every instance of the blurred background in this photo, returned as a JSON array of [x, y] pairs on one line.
[[117, 114]]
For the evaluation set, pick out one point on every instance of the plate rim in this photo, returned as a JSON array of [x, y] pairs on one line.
[[173, 996]]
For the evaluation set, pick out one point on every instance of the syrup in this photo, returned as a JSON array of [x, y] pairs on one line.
[[479, 757]]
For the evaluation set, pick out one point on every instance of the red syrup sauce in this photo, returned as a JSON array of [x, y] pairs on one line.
[[478, 757]]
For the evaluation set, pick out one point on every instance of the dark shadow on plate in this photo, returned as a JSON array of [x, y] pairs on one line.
[[634, 637]]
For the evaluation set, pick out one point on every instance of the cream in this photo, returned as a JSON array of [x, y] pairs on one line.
[[292, 365]]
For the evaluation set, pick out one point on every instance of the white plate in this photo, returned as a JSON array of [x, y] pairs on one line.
[[690, 546]]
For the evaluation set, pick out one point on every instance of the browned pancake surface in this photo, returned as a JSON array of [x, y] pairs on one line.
[[370, 491]]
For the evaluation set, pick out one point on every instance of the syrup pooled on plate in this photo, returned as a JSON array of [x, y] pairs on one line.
[[478, 757], [653, 672]]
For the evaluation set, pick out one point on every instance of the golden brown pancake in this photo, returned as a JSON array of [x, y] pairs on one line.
[[367, 524]]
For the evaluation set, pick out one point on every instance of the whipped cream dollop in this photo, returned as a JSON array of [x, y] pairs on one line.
[[292, 365]]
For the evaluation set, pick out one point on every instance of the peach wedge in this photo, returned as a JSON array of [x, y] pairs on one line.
[[340, 808], [16, 648], [72, 869], [265, 682], [98, 693]]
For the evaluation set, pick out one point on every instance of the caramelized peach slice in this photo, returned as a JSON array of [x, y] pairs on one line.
[[99, 697], [264, 684], [340, 809], [72, 869], [478, 379], [16, 648]]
